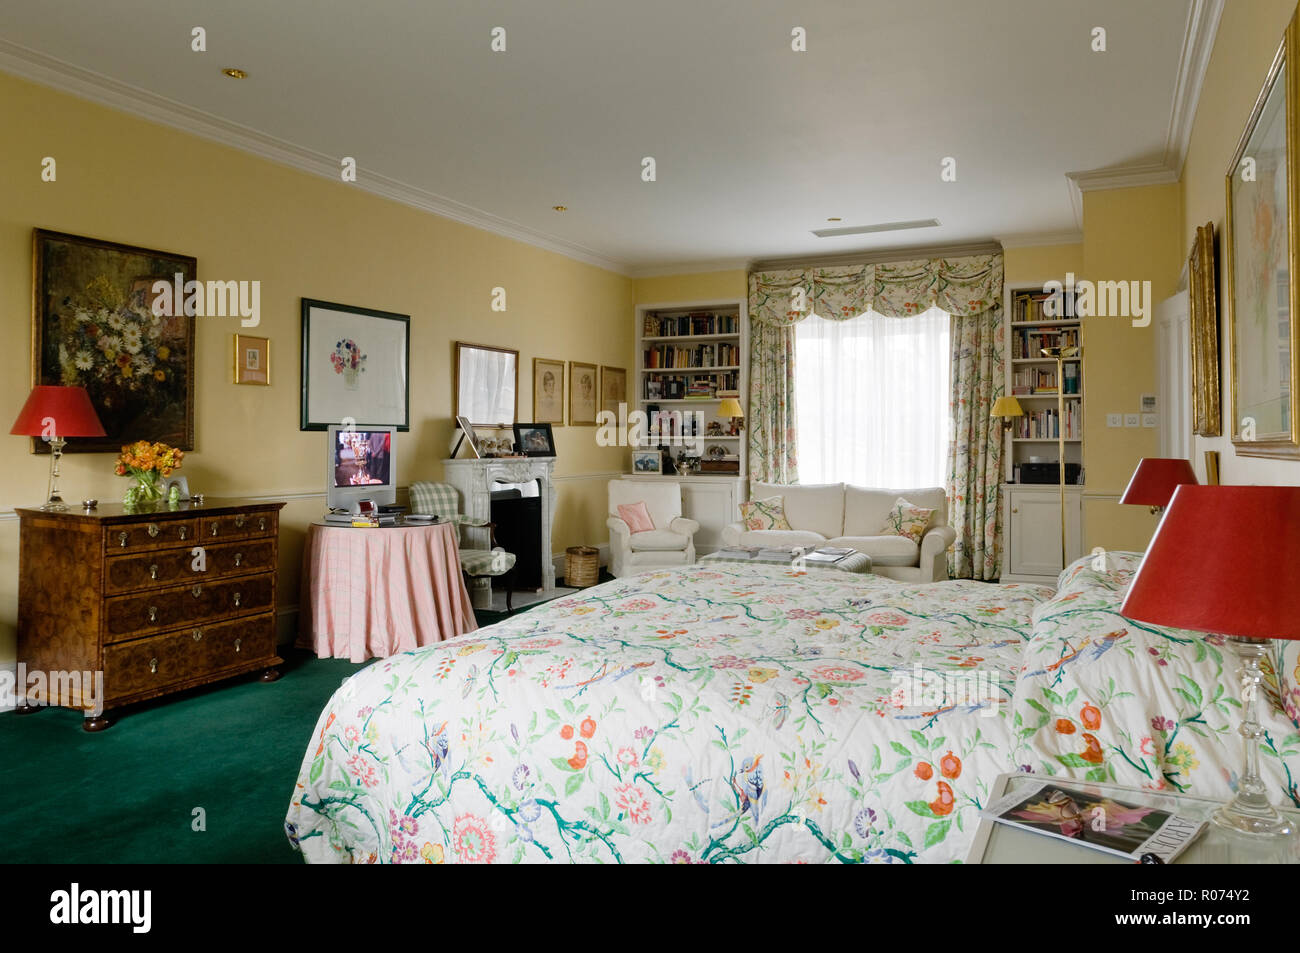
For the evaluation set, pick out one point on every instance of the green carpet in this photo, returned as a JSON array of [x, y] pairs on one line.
[[126, 795]]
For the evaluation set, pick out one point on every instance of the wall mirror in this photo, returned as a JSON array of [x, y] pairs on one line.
[[487, 384]]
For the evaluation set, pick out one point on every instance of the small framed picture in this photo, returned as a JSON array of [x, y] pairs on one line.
[[613, 389], [582, 394], [465, 431], [647, 461], [548, 391], [252, 360], [534, 440]]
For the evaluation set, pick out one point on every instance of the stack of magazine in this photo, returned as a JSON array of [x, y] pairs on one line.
[[782, 557], [1095, 820]]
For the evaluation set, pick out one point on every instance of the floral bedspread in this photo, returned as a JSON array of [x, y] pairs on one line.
[[705, 714], [1104, 698]]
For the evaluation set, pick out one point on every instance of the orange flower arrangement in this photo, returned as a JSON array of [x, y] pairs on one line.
[[145, 462]]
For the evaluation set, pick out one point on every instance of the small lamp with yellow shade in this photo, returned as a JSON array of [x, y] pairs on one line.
[[1008, 409], [730, 407]]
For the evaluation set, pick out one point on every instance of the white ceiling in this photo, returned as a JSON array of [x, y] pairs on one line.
[[755, 145]]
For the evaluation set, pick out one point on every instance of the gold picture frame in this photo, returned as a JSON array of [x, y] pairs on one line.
[[584, 394], [1260, 246], [613, 388], [252, 360], [548, 391], [1207, 416]]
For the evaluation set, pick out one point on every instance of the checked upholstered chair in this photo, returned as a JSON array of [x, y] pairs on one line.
[[481, 565]]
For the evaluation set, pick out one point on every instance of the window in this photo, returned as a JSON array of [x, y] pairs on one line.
[[872, 400]]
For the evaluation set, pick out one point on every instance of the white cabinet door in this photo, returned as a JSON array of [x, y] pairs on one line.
[[1032, 532], [713, 506]]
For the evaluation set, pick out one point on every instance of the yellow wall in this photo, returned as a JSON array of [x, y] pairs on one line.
[[1037, 263], [704, 286], [1248, 37], [127, 180]]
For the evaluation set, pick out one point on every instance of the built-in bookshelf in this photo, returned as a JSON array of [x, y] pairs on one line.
[[689, 357]]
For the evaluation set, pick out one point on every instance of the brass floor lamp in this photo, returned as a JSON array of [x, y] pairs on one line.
[[1061, 355]]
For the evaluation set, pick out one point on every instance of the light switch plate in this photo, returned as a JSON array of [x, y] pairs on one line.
[[1132, 420], [1148, 420], [1113, 420]]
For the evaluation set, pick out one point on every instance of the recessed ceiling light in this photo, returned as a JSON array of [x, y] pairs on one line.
[[560, 208], [234, 73]]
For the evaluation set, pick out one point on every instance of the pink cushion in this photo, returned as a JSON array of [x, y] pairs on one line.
[[636, 516]]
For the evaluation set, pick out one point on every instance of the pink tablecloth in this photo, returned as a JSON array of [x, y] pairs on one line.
[[377, 592]]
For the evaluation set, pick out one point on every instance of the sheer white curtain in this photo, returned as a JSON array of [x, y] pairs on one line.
[[872, 399]]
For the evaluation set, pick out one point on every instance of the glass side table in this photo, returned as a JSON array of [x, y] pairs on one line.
[[1000, 844]]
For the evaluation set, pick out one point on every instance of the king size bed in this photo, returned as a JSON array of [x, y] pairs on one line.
[[743, 713]]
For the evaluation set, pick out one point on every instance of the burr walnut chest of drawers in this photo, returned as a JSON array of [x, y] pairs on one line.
[[157, 599]]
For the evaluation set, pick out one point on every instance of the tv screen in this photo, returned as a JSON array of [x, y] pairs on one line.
[[362, 458]]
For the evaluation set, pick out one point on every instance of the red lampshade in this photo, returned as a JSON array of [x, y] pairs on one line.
[[67, 408], [1155, 479], [1224, 559]]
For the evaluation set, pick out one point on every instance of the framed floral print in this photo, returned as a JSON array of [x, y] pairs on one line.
[[1261, 286], [95, 324], [252, 360], [355, 366]]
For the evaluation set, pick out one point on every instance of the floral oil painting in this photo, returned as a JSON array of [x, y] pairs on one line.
[[94, 326]]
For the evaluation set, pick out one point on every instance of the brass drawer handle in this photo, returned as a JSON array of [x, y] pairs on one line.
[[238, 597], [261, 523], [153, 530], [196, 591], [239, 521], [1015, 509], [153, 613], [121, 540], [237, 641], [198, 635], [153, 666], [239, 557], [214, 529], [153, 571], [184, 530]]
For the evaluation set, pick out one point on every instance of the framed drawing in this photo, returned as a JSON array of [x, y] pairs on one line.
[[613, 388], [582, 394], [1201, 276], [252, 360], [534, 440], [464, 431], [1261, 288], [548, 391], [487, 384], [355, 366], [104, 316]]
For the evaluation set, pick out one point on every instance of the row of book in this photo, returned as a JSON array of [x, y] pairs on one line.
[[1034, 307], [682, 325], [702, 355], [1042, 380], [1030, 343], [1045, 424], [704, 387]]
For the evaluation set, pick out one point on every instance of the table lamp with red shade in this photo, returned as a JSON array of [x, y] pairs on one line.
[[1209, 569], [55, 413], [1154, 481]]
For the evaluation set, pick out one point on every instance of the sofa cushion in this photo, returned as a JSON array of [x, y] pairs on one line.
[[867, 508], [907, 519], [883, 550], [657, 540], [636, 516], [778, 539], [815, 506], [764, 514]]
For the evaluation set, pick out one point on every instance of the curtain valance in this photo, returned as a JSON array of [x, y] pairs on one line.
[[960, 286]]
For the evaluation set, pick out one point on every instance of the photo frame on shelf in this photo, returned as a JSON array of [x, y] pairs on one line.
[[583, 394], [252, 360], [1204, 334], [534, 439], [88, 294], [1262, 293], [645, 462], [548, 391], [355, 366], [465, 432]]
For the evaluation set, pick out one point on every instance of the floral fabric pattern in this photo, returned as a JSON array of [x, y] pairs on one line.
[[907, 519], [705, 714], [765, 514], [772, 444], [977, 379]]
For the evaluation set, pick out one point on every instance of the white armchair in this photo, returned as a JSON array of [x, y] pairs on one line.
[[670, 543]]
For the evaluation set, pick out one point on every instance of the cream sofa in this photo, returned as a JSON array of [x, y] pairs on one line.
[[837, 514]]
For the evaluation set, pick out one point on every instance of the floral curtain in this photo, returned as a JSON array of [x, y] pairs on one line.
[[976, 375], [970, 290]]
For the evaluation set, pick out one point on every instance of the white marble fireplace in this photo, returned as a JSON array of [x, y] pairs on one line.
[[476, 479]]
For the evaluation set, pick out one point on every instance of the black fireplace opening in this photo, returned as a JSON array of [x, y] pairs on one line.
[[519, 531]]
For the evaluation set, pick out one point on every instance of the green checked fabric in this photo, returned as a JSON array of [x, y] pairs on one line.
[[442, 499]]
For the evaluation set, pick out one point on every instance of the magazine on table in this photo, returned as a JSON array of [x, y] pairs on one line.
[[1097, 821], [736, 553], [827, 554]]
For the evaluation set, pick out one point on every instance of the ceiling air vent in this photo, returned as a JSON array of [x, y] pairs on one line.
[[868, 229]]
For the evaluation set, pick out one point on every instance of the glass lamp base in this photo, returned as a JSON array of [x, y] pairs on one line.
[[1252, 819], [54, 504]]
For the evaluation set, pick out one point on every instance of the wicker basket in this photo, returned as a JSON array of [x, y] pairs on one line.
[[581, 566]]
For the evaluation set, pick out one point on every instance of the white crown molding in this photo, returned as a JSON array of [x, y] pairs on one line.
[[1198, 44], [1071, 237], [1123, 176], [86, 84], [690, 268]]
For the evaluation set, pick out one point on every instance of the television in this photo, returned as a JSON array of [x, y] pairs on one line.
[[360, 464]]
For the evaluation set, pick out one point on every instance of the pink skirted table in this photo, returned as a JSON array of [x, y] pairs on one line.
[[377, 592]]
